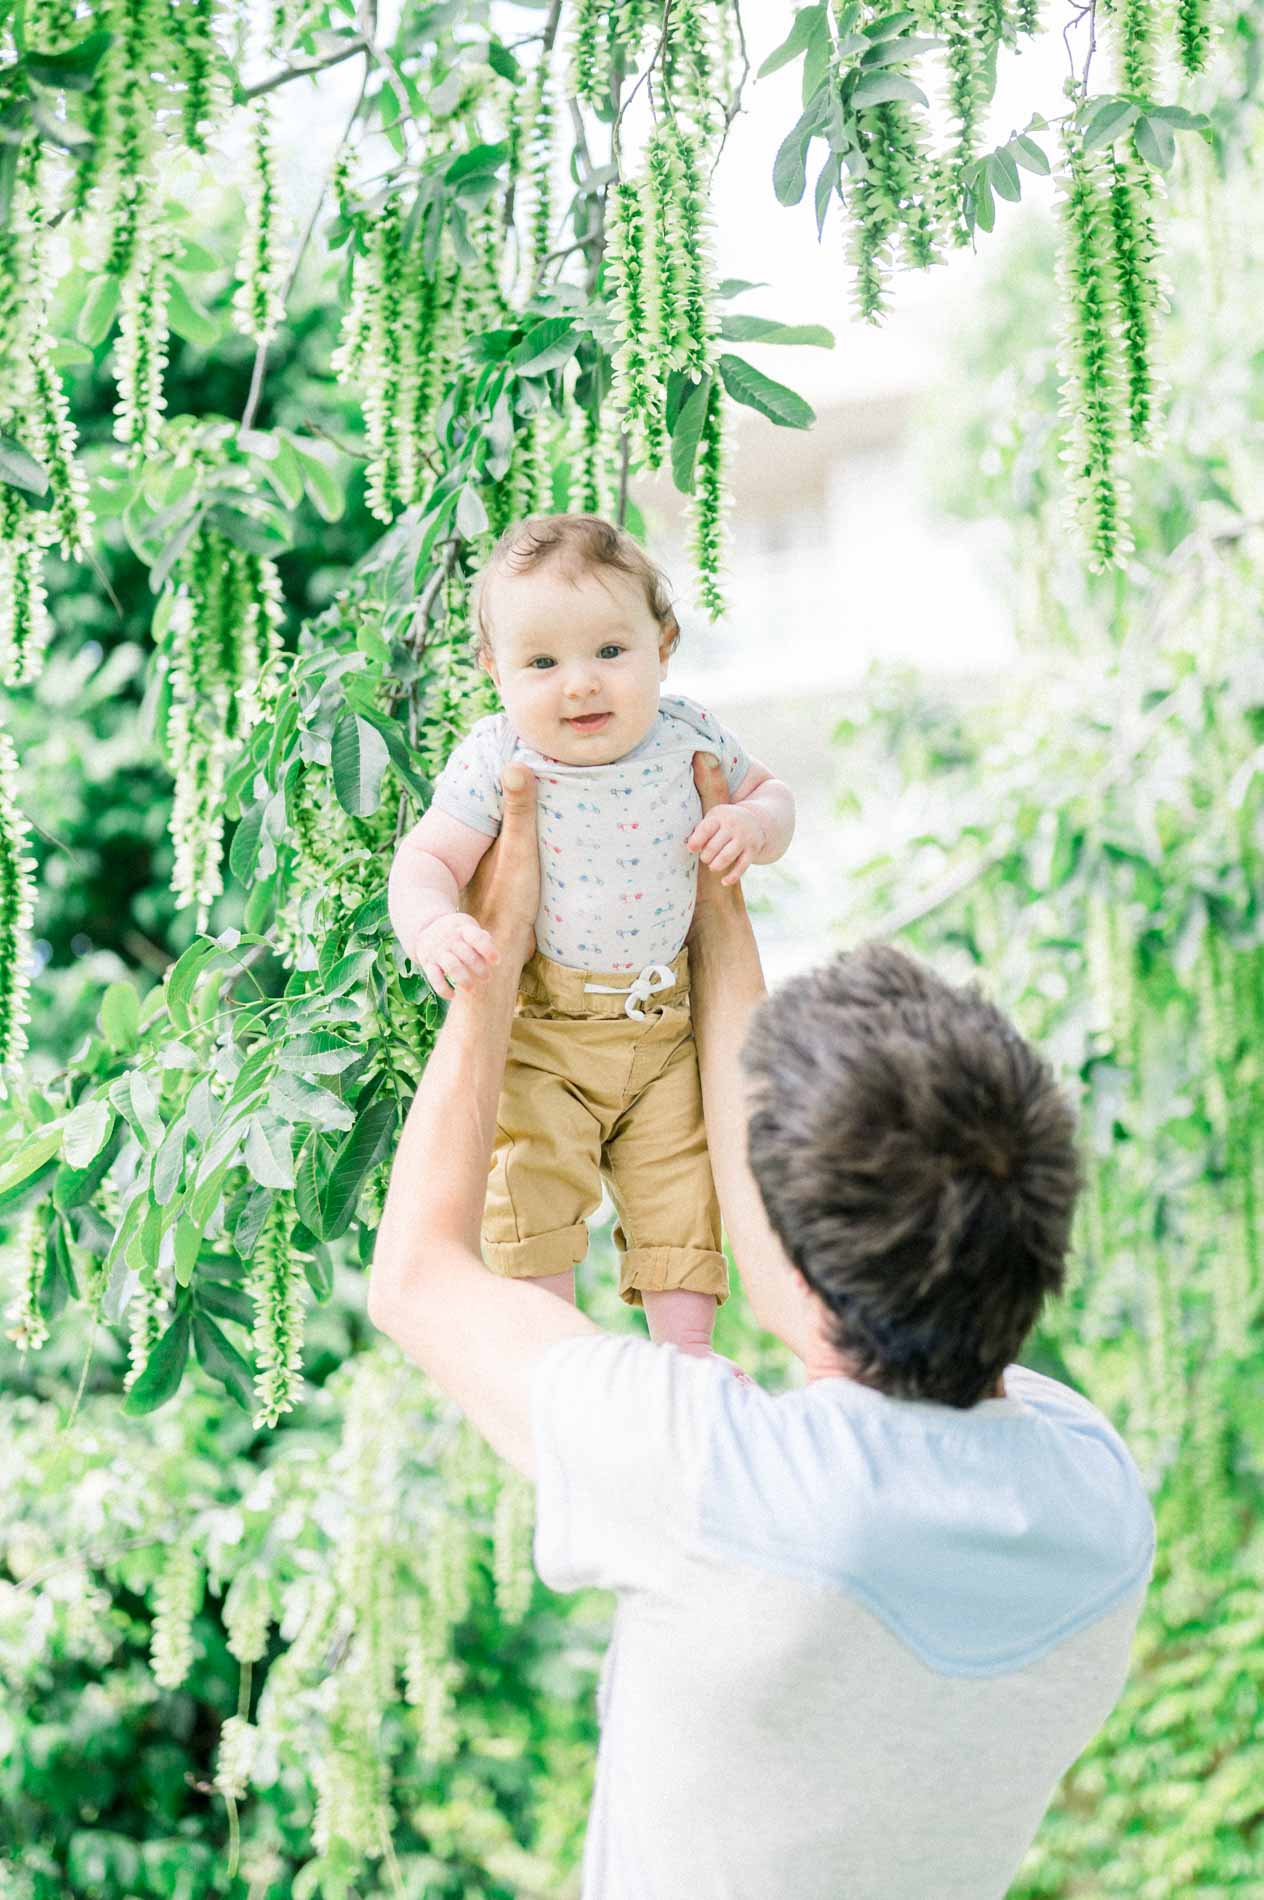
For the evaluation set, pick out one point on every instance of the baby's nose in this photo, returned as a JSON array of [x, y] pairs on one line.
[[580, 686]]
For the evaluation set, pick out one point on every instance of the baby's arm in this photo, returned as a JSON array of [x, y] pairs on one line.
[[433, 864], [755, 828]]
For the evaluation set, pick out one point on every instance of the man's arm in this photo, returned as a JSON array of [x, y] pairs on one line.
[[727, 984], [479, 1337]]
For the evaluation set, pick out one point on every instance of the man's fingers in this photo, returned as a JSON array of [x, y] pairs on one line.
[[517, 784], [708, 776]]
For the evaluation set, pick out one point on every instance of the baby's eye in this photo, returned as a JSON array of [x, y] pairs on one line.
[[609, 651], [541, 660]]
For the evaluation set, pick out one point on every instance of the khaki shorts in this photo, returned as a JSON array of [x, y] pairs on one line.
[[589, 1091]]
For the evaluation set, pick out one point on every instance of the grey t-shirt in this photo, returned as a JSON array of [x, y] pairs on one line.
[[858, 1639]]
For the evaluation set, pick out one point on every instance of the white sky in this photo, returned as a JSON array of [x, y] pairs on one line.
[[756, 237]]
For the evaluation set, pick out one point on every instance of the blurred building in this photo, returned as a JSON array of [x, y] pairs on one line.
[[837, 560]]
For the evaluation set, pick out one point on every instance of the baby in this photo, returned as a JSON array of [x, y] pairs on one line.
[[575, 625]]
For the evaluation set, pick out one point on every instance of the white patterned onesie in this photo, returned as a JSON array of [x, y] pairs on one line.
[[617, 882]]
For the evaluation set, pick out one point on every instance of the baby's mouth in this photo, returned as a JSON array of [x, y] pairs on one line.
[[589, 722]]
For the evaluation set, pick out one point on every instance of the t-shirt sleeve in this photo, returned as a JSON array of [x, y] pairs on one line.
[[620, 1428], [468, 787], [714, 737]]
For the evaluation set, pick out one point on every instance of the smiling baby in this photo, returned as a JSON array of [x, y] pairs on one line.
[[575, 625]]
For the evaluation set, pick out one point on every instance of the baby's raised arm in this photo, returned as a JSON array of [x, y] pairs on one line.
[[432, 866]]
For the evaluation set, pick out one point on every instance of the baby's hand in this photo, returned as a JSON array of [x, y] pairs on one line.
[[454, 950], [727, 838]]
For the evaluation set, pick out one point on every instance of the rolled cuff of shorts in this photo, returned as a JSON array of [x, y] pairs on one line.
[[670, 1270], [543, 1254]]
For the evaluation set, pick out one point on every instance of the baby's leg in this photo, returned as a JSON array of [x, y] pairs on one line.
[[679, 1318], [563, 1284]]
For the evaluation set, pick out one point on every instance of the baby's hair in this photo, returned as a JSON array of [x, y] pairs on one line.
[[586, 542]]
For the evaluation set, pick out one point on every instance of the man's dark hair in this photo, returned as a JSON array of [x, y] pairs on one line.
[[917, 1160]]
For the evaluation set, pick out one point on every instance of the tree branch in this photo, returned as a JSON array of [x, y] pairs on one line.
[[285, 74], [261, 352]]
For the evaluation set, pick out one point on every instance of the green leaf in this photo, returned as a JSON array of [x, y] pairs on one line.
[[687, 433], [1155, 142], [249, 1221], [983, 203], [160, 572], [1030, 155], [546, 346], [187, 1240], [120, 1017], [252, 532], [321, 483], [70, 356], [188, 319], [181, 979], [890, 25], [826, 186], [1003, 174], [741, 329], [1104, 120], [269, 1153], [809, 22], [502, 61], [164, 1369], [306, 1102], [481, 158], [226, 1302], [71, 70], [363, 1148], [243, 854], [318, 1054], [73, 1186], [33, 1158], [750, 386], [790, 167], [895, 52], [359, 762], [471, 515], [401, 757], [878, 89], [319, 1269], [87, 1129], [195, 257], [1178, 116], [220, 1358], [308, 1182], [169, 1161], [21, 470], [97, 311]]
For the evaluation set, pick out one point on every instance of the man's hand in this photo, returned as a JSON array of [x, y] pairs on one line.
[[504, 893], [713, 790]]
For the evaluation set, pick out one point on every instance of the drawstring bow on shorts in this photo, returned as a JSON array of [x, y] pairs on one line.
[[648, 982]]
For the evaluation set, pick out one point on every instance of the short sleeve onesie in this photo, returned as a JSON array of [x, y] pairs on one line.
[[617, 882]]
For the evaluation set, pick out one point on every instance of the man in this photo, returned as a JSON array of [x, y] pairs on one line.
[[863, 1627]]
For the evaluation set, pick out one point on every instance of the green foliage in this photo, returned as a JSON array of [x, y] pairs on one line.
[[1086, 843], [254, 472]]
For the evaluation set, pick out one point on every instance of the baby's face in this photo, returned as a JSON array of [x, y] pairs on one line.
[[578, 658]]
